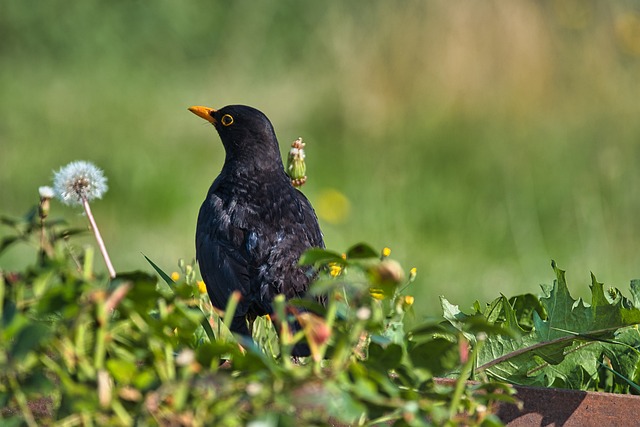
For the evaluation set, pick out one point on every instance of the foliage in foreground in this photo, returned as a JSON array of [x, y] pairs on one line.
[[76, 349], [564, 342]]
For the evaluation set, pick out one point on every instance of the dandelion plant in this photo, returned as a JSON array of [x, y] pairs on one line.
[[76, 185]]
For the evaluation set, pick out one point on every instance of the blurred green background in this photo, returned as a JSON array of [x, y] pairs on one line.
[[477, 140]]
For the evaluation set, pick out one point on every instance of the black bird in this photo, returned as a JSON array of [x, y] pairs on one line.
[[254, 224]]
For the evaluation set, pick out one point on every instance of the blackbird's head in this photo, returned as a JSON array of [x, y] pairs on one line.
[[246, 133]]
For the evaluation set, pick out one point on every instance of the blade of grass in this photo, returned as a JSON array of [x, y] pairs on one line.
[[162, 274], [632, 384]]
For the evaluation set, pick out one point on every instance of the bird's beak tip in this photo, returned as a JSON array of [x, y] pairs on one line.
[[203, 112]]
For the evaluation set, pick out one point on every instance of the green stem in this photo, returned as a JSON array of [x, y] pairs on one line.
[[70, 421], [122, 413], [87, 268], [285, 333], [330, 319], [101, 334], [3, 287], [465, 373], [230, 310]]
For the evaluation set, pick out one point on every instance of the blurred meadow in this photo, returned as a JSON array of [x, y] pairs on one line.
[[477, 140]]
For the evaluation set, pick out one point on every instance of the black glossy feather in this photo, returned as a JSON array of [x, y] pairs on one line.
[[253, 225]]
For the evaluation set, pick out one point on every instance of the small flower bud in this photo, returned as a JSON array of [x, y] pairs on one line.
[[296, 167], [317, 331], [46, 194], [412, 274], [388, 272], [202, 288]]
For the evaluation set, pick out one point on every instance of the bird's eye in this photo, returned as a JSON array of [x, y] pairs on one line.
[[226, 120]]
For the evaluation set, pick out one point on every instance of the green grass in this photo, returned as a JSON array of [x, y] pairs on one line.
[[477, 141]]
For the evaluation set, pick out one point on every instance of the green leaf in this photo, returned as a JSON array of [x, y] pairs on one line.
[[438, 356], [524, 307], [387, 358], [28, 339], [210, 353], [430, 328], [144, 379], [122, 371], [564, 313], [604, 311], [69, 232], [563, 349], [7, 242], [362, 250], [309, 304], [635, 292], [341, 404], [142, 294], [207, 327], [319, 256], [12, 421], [38, 382], [9, 311], [452, 313]]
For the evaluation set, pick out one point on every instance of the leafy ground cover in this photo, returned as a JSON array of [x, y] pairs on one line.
[[78, 348]]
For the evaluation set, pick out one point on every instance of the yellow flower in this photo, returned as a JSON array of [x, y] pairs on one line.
[[175, 276], [412, 274], [202, 287], [408, 300], [376, 293], [334, 269], [386, 252]]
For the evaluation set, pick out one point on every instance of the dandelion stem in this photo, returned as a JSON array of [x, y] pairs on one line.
[[96, 232]]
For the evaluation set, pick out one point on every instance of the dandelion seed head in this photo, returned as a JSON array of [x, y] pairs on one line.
[[77, 181]]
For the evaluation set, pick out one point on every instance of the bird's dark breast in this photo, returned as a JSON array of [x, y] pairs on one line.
[[249, 237]]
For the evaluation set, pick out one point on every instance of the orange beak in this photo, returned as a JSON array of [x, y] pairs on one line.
[[204, 112]]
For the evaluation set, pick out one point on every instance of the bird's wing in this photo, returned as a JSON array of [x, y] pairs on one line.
[[310, 227], [223, 267]]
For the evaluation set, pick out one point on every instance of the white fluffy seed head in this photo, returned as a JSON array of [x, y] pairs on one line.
[[77, 181], [46, 192]]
